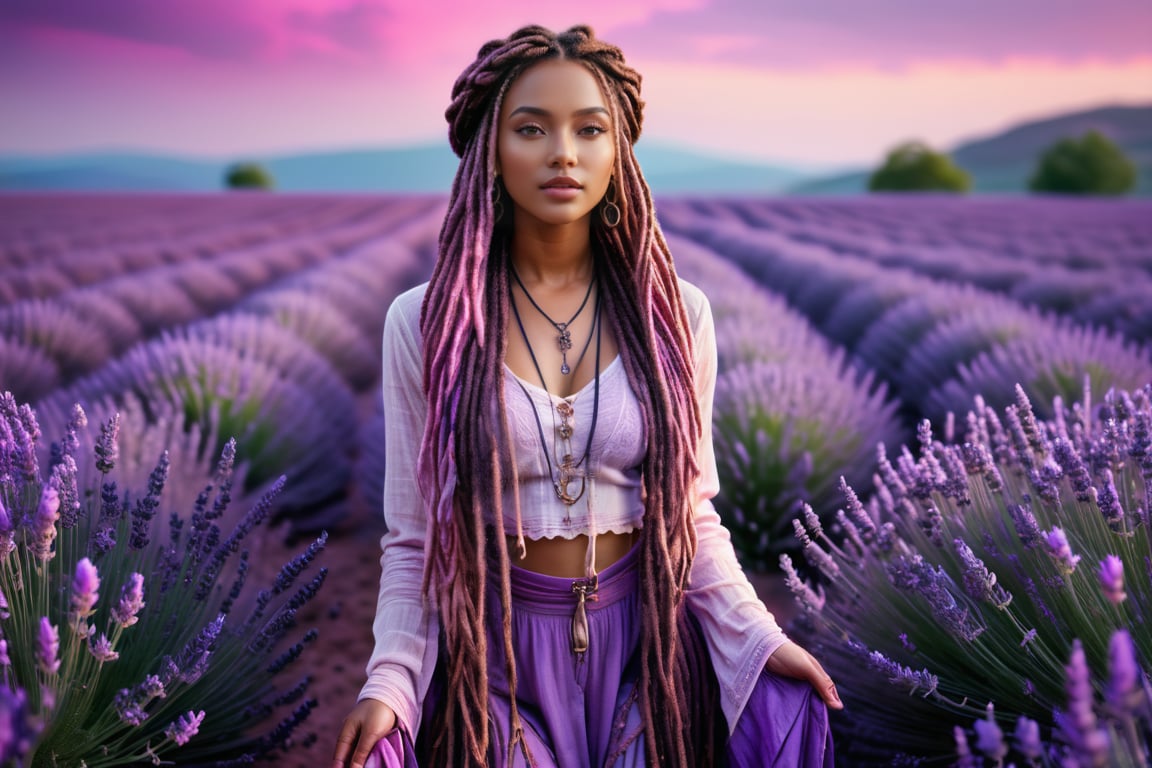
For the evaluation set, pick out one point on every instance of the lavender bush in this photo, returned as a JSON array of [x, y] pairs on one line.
[[127, 636], [972, 608], [244, 376], [784, 433], [786, 417]]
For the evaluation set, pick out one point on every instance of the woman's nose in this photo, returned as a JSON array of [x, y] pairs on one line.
[[563, 150]]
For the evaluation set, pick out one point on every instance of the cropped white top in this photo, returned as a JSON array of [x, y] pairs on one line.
[[740, 632], [611, 471]]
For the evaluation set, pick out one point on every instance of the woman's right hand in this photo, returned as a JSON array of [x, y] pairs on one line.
[[368, 722]]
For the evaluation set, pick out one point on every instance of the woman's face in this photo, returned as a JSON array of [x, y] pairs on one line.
[[555, 149]]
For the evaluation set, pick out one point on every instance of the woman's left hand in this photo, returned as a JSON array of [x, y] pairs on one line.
[[790, 660]]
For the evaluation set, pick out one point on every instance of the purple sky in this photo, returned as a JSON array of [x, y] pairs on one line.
[[810, 82]]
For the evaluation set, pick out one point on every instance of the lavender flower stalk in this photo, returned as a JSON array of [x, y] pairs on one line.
[[85, 584], [48, 649], [1112, 579], [185, 727], [131, 601]]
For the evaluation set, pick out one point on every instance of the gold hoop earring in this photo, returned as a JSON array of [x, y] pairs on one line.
[[610, 211], [497, 200]]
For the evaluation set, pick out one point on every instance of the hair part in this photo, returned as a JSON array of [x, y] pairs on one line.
[[464, 322]]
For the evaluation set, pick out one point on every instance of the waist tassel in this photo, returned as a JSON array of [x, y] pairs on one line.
[[585, 589]]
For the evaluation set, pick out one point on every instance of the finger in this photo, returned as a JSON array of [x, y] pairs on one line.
[[823, 684], [830, 695], [364, 748], [344, 744]]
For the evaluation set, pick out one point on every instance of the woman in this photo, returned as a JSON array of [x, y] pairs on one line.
[[557, 588]]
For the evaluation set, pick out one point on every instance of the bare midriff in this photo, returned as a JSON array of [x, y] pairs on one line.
[[565, 557]]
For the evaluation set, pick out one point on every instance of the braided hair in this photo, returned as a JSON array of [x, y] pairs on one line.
[[464, 322]]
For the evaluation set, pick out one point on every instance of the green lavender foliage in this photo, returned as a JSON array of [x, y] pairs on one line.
[[194, 667], [982, 581]]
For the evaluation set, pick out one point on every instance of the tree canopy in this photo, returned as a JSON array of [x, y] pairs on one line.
[[248, 176], [1089, 165], [914, 166]]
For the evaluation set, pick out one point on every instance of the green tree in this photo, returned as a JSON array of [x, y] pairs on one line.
[[248, 176], [914, 166], [1090, 165]]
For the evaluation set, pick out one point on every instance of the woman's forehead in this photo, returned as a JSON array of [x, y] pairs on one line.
[[557, 87]]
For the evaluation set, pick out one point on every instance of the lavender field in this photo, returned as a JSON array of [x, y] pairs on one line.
[[841, 324]]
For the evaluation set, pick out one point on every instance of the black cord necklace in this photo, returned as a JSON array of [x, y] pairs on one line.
[[567, 466], [565, 337]]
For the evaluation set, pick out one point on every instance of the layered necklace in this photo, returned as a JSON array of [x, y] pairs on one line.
[[568, 466], [565, 337]]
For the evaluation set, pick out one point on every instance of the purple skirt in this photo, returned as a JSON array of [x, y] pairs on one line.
[[582, 710]]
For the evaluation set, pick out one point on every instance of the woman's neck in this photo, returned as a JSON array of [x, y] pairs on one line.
[[557, 256]]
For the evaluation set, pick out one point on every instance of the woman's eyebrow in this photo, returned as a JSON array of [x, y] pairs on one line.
[[545, 113]]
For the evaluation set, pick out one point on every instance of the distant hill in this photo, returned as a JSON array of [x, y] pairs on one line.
[[1002, 163], [420, 168]]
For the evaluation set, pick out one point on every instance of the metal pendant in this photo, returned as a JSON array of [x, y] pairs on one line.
[[565, 342]]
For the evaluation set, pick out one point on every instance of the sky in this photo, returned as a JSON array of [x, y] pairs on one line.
[[812, 83]]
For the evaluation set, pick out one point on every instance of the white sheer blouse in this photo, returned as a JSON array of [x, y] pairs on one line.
[[740, 632]]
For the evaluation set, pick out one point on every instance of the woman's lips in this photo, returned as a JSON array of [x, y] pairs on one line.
[[562, 182], [561, 189]]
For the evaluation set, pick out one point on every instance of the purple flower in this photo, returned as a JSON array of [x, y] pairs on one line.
[[1074, 467], [1060, 551], [185, 727], [3, 606], [85, 584], [1109, 501], [5, 659], [16, 732], [131, 601], [963, 751], [102, 649], [1027, 738], [1125, 692], [933, 584], [1112, 579], [43, 529], [808, 599], [979, 582], [989, 737], [1026, 526], [48, 647], [130, 703], [7, 532], [904, 677], [192, 662], [1078, 724], [64, 479], [107, 448], [1029, 637]]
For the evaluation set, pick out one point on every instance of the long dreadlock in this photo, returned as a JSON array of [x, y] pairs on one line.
[[463, 322]]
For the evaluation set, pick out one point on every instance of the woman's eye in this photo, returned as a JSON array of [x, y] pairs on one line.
[[530, 130], [593, 130]]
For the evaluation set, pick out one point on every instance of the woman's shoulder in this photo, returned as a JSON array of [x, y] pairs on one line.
[[405, 308], [695, 302]]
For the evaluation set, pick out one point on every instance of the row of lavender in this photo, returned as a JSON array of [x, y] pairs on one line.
[[267, 343], [1086, 259], [937, 342]]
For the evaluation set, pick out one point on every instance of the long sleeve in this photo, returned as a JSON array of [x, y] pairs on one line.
[[741, 633], [406, 626]]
